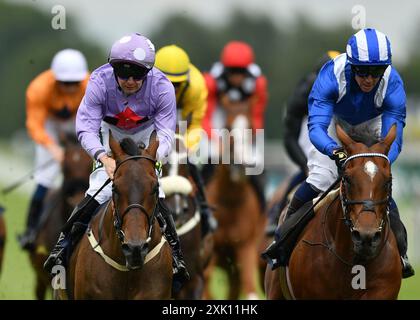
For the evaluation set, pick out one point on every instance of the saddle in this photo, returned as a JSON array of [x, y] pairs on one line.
[[292, 227]]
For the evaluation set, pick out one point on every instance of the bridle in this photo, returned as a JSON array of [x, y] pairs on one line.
[[118, 218], [368, 204]]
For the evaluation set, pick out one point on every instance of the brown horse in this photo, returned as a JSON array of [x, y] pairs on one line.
[[180, 191], [124, 255], [76, 168], [240, 219], [347, 251], [2, 236]]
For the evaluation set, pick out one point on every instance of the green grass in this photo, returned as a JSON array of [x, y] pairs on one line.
[[17, 278]]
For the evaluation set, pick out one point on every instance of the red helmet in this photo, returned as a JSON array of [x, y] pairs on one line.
[[237, 54]]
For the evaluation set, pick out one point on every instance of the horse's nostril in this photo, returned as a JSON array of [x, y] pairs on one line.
[[377, 236]]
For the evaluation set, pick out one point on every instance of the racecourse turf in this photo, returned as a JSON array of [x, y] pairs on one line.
[[17, 277]]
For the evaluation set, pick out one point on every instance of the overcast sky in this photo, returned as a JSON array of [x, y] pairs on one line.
[[107, 20]]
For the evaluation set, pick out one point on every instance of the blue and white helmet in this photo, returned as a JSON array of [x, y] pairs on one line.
[[369, 47]]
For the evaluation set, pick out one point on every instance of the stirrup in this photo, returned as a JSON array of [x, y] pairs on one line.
[[180, 274], [54, 259], [271, 255]]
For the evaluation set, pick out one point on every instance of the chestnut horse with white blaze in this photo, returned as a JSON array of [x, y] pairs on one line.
[[347, 250]]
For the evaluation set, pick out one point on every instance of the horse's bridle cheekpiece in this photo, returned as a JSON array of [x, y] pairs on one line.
[[118, 218], [368, 205]]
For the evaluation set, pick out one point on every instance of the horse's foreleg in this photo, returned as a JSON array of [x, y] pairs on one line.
[[234, 281], [247, 260], [41, 288]]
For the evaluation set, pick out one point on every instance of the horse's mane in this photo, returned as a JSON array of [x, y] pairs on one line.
[[130, 147]]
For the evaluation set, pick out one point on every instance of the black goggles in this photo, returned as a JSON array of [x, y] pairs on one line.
[[124, 71], [365, 71], [233, 70], [69, 83]]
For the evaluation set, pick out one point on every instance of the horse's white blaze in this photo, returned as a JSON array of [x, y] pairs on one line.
[[371, 169]]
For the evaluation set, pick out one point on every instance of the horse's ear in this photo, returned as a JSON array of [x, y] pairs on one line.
[[116, 149], [153, 144], [343, 137], [390, 137]]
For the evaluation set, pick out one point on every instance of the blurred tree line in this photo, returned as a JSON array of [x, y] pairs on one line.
[[28, 44], [284, 54]]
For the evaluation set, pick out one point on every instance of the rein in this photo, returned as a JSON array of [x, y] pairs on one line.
[[118, 218], [118, 223], [368, 204]]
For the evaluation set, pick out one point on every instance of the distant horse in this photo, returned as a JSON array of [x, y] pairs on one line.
[[124, 254], [179, 189], [2, 235], [347, 251], [239, 215], [59, 203]]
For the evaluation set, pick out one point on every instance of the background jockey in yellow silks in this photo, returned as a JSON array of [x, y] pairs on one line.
[[191, 100], [52, 100]]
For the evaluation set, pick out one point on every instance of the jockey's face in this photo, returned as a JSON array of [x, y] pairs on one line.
[[129, 86], [366, 84], [235, 76], [178, 86], [68, 87]]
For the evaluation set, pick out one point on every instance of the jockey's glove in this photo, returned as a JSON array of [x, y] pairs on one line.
[[339, 156]]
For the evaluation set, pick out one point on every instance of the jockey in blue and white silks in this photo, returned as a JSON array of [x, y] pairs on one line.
[[364, 93]]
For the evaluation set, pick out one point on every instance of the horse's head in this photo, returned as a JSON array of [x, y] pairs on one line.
[[76, 167], [240, 147], [135, 195], [366, 191]]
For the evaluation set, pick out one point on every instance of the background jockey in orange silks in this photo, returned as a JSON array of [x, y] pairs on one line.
[[52, 100]]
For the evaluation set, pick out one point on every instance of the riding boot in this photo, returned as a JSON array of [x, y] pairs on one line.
[[400, 234], [72, 230], [276, 210], [304, 194], [27, 239], [180, 272], [208, 222]]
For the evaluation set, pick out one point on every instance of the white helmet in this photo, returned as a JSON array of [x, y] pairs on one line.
[[69, 65]]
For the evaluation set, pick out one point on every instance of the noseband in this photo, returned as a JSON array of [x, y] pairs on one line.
[[368, 204], [118, 218]]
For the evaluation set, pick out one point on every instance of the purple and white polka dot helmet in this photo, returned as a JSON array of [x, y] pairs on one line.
[[133, 48]]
